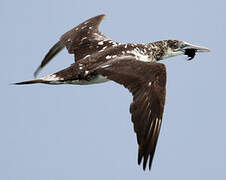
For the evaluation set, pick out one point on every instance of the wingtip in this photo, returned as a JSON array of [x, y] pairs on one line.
[[37, 71], [144, 159], [103, 16], [144, 164], [139, 158], [150, 164], [57, 47]]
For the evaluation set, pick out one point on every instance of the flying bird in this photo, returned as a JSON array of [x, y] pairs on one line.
[[99, 59]]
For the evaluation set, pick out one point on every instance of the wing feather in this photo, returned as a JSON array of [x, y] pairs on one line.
[[147, 82], [81, 37], [50, 55], [82, 41]]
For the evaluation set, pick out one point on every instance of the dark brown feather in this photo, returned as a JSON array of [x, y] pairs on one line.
[[147, 82], [82, 40], [52, 52], [35, 81]]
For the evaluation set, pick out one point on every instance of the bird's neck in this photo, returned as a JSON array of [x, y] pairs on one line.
[[157, 50], [160, 50], [150, 52]]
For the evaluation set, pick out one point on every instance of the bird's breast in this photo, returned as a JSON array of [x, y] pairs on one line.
[[93, 80]]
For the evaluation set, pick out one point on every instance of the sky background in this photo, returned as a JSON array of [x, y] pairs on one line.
[[85, 132]]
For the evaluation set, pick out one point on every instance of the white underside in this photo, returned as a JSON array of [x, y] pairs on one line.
[[97, 79], [170, 53], [139, 56]]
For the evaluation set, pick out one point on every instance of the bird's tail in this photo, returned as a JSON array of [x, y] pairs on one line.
[[30, 82], [49, 79]]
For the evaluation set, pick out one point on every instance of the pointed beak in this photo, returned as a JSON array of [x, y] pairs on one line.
[[196, 48], [190, 50]]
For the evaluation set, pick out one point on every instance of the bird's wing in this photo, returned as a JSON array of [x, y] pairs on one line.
[[83, 40], [147, 82]]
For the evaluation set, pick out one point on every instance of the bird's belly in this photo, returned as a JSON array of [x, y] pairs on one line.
[[94, 80]]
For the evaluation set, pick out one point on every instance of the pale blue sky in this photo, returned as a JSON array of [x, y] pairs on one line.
[[85, 132]]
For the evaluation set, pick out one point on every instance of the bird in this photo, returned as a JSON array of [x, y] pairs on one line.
[[98, 59]]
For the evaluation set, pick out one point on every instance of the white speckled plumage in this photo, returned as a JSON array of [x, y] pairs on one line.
[[99, 59]]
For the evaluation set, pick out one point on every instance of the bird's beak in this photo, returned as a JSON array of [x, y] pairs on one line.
[[196, 48], [190, 50]]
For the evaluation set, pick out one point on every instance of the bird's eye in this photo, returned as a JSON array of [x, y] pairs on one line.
[[183, 46]]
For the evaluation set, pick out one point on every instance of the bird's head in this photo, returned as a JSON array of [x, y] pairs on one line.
[[175, 48]]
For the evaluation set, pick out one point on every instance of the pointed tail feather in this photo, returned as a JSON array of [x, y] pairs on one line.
[[30, 82], [49, 79]]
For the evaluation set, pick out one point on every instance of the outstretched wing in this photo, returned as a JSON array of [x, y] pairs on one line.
[[83, 40], [50, 55], [147, 82]]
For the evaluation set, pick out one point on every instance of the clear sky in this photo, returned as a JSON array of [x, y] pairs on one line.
[[85, 132]]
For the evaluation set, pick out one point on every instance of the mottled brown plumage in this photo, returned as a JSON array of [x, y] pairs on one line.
[[99, 59], [148, 99], [81, 41]]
